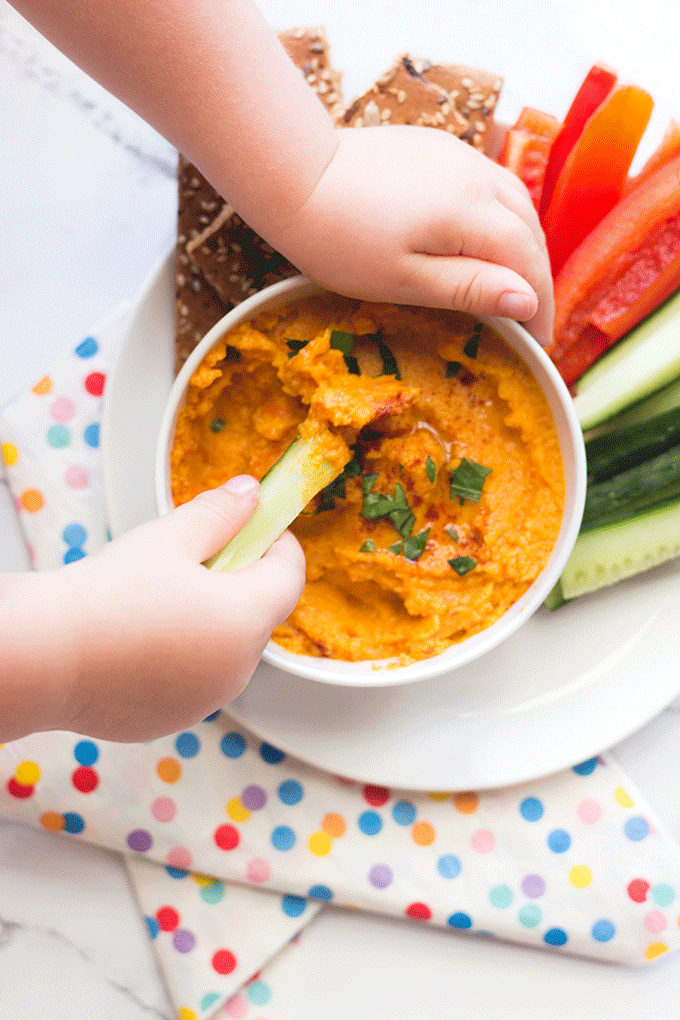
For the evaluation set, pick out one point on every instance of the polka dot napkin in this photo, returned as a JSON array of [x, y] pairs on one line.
[[233, 846]]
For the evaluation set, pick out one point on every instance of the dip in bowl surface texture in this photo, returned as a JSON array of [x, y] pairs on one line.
[[452, 493]]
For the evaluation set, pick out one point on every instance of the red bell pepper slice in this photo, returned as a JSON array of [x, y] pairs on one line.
[[527, 148], [597, 85], [593, 177], [624, 269], [668, 148]]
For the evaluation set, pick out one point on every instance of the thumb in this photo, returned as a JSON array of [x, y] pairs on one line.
[[470, 285], [204, 525]]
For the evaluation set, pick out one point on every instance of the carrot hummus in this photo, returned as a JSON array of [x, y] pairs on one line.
[[450, 490]]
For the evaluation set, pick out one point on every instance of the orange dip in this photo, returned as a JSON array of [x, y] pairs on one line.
[[405, 585]]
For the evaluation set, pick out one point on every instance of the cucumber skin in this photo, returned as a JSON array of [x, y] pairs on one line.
[[643, 482], [617, 451], [642, 362], [611, 552], [658, 403]]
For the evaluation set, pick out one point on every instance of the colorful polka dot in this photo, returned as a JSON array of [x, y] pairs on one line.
[[559, 841], [663, 895], [176, 873], [376, 796], [320, 892], [87, 348], [180, 857], [253, 798], [636, 829], [500, 896], [530, 916], [169, 770], [531, 809], [85, 779], [418, 911], [586, 767], [533, 886], [213, 893], [52, 821], [140, 841], [438, 795], [31, 500], [320, 844], [483, 841], [555, 937], [466, 802], [370, 823], [10, 454], [226, 837], [334, 825], [164, 809], [622, 798], [43, 387], [460, 920], [58, 437], [423, 834], [187, 745], [91, 435], [638, 889], [580, 876], [404, 812], [94, 383], [73, 555], [589, 811], [380, 876], [237, 810], [184, 1013], [183, 940], [27, 773], [271, 754], [63, 409], [258, 870], [290, 792], [209, 999], [223, 961], [76, 476], [212, 716], [293, 906], [449, 866], [259, 993], [152, 926], [168, 918], [655, 949], [74, 823], [603, 930], [232, 745], [17, 790], [236, 1007], [655, 922], [283, 838]]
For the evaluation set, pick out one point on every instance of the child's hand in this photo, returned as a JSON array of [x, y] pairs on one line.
[[414, 215], [154, 641]]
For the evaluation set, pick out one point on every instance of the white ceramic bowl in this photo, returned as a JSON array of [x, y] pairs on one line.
[[371, 673]]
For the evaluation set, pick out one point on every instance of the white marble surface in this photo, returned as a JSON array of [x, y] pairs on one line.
[[87, 209]]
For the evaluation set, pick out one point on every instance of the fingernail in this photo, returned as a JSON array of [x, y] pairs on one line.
[[241, 485], [516, 306]]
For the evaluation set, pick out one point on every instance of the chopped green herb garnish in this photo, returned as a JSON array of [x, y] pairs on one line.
[[344, 342], [217, 424], [452, 368], [430, 469], [467, 480], [368, 546], [452, 533], [412, 547], [462, 564], [389, 361], [377, 505], [336, 489], [295, 346], [473, 343]]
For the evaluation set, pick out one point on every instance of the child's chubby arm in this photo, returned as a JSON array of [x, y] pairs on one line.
[[402, 214], [140, 639]]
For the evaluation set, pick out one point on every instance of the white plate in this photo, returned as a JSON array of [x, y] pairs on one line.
[[564, 688]]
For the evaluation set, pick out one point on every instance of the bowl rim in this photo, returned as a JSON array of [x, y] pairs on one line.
[[369, 673]]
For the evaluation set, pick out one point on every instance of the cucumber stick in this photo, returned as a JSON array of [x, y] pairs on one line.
[[663, 400], [641, 485], [614, 551], [644, 361], [617, 451], [297, 476]]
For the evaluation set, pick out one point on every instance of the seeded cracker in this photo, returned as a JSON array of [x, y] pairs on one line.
[[220, 260], [447, 96]]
